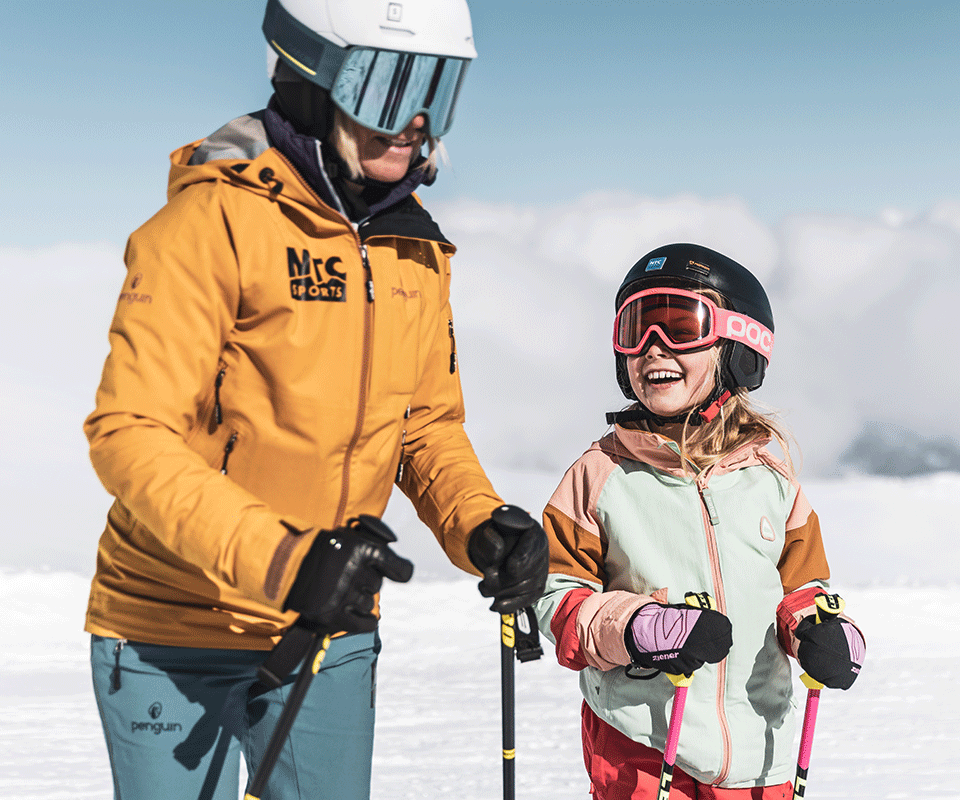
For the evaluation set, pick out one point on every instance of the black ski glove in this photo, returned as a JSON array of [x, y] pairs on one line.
[[677, 639], [343, 571], [511, 551], [831, 652]]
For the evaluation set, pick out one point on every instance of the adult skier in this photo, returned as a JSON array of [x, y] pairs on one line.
[[281, 354]]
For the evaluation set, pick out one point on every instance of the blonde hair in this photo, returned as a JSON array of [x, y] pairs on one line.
[[344, 138], [738, 422]]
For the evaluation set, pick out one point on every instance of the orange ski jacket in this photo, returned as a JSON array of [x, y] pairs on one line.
[[273, 369]]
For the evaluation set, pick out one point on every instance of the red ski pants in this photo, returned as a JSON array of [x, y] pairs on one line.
[[622, 769]]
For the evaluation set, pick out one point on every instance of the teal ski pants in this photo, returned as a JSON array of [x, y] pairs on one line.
[[176, 720]]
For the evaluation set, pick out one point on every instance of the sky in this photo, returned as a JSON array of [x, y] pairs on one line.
[[815, 143], [838, 107]]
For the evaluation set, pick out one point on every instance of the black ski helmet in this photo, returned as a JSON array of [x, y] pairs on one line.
[[694, 267]]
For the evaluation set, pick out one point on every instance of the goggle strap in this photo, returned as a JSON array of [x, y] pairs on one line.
[[746, 330]]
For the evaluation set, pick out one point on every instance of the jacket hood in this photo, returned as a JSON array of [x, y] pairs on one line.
[[259, 152], [664, 454], [228, 155]]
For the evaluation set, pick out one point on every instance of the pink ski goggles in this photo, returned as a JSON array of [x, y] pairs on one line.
[[684, 320]]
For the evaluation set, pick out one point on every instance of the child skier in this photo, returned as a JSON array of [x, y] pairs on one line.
[[683, 496]]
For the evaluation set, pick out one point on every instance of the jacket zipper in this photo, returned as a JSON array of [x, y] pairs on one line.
[[403, 442], [367, 334], [710, 520], [217, 408], [364, 380], [453, 348]]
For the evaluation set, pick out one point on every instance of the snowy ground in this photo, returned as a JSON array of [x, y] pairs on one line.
[[896, 734]]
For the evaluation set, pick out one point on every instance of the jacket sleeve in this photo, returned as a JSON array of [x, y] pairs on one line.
[[179, 303], [440, 472], [803, 568], [803, 559], [585, 622]]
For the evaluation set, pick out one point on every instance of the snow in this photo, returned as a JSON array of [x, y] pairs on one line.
[[895, 734]]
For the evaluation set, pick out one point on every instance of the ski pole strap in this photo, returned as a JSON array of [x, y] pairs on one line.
[[700, 600], [527, 636], [287, 653]]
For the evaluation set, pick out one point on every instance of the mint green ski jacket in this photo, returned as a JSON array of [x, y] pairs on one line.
[[628, 525]]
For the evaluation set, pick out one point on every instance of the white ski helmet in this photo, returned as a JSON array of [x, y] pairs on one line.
[[382, 61]]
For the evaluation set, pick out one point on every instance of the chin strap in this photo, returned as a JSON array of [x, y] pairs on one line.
[[706, 413]]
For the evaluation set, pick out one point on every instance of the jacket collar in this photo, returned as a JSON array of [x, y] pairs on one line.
[[228, 152], [324, 170], [664, 454]]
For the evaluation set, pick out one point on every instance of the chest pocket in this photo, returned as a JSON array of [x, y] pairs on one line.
[[407, 310]]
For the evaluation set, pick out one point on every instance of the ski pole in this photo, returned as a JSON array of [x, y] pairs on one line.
[[828, 607], [311, 665], [682, 684], [508, 640], [525, 644]]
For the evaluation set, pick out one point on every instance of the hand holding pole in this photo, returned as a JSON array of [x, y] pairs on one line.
[[828, 607], [682, 684]]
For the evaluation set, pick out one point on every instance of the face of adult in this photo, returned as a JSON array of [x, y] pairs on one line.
[[385, 157]]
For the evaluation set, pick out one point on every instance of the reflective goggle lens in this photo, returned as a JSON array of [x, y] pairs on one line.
[[684, 321], [383, 90]]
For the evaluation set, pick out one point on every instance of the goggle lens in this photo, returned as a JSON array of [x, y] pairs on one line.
[[383, 90], [684, 321]]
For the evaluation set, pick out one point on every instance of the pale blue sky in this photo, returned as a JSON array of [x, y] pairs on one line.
[[842, 107]]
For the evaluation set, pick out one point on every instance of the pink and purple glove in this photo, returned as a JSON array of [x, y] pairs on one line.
[[677, 639]]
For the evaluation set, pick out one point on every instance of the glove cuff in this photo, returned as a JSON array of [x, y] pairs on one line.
[[301, 590]]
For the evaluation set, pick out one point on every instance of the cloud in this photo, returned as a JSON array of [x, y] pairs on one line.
[[866, 311]]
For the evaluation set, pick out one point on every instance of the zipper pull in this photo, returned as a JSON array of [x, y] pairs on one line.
[[366, 267], [453, 348], [227, 450], [403, 442], [217, 408], [115, 674], [707, 496]]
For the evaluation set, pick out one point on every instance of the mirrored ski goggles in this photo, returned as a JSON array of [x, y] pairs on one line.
[[684, 321], [384, 90]]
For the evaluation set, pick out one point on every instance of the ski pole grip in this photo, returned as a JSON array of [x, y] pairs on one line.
[[695, 600], [829, 606]]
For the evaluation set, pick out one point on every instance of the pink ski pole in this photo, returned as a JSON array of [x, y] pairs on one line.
[[682, 684], [828, 607]]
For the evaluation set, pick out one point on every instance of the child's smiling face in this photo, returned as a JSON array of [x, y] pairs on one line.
[[669, 383]]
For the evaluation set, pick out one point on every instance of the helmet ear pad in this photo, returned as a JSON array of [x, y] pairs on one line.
[[623, 377], [741, 366]]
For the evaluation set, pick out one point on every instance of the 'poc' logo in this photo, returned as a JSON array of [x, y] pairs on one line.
[[743, 329], [315, 279]]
